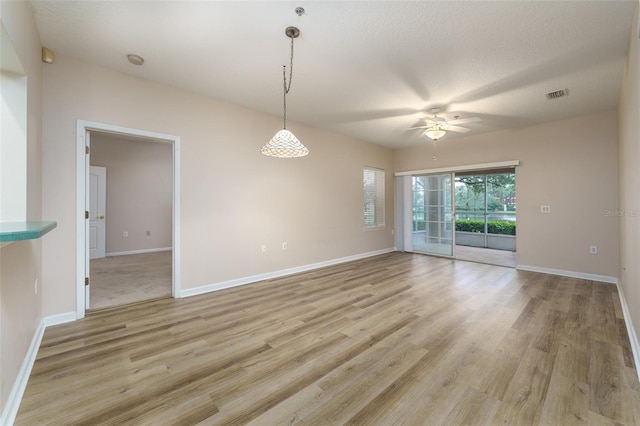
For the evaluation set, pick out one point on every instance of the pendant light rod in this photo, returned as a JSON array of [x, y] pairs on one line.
[[284, 97], [292, 33]]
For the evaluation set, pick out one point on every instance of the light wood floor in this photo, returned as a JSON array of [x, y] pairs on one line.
[[120, 280], [394, 339], [486, 255]]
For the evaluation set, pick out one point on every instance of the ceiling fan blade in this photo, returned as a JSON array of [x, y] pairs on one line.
[[427, 124], [464, 120], [455, 128]]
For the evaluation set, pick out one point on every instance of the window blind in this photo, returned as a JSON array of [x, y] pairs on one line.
[[373, 180]]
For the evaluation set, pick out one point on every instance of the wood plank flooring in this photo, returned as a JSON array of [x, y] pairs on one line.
[[486, 255], [395, 339]]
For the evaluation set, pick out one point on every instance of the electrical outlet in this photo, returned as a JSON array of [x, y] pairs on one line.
[[264, 248], [593, 249], [284, 246], [125, 234], [545, 209], [148, 233]]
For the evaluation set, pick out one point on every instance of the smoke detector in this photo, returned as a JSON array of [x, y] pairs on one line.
[[135, 59]]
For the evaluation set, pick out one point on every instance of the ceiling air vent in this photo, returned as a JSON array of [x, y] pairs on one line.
[[557, 94]]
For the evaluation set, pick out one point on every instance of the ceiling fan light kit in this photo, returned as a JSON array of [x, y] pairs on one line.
[[437, 127], [435, 134]]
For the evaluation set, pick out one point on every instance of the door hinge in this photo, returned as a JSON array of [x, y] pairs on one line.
[[86, 280], [86, 149], [86, 214]]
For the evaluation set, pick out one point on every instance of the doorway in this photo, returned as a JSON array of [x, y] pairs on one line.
[[84, 133], [135, 261]]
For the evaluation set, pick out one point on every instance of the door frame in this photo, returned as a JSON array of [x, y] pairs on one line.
[[83, 128]]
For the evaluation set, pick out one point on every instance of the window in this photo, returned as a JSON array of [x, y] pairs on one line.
[[373, 198]]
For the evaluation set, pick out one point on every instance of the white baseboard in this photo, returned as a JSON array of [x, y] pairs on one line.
[[59, 319], [20, 384], [631, 331], [15, 396], [125, 253], [572, 274], [276, 274]]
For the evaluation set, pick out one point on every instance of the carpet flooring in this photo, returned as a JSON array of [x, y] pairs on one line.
[[122, 280]]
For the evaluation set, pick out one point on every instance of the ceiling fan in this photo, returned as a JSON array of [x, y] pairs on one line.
[[437, 127]]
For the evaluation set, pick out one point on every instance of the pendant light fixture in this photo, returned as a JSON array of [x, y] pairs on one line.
[[284, 144]]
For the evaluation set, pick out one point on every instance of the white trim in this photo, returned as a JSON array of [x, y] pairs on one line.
[[485, 166], [142, 251], [82, 126], [59, 319], [631, 331], [571, 274], [87, 228], [80, 220], [20, 384], [276, 274], [175, 266]]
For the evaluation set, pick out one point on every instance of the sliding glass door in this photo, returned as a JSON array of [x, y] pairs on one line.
[[433, 214]]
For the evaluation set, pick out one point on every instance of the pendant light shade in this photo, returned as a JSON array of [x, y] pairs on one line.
[[284, 145]]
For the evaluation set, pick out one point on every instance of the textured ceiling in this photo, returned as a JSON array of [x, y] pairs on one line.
[[368, 69]]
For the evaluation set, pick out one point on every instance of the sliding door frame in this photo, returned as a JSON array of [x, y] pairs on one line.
[[404, 202]]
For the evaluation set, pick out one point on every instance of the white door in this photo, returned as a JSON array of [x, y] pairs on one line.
[[433, 214], [97, 211]]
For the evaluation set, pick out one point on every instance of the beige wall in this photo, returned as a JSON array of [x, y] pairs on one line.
[[139, 191], [570, 165], [20, 262], [233, 198], [629, 122]]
